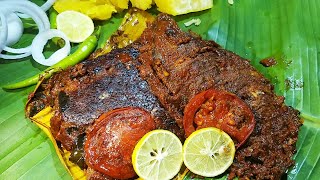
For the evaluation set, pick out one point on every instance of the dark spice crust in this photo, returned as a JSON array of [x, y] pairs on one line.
[[268, 62], [80, 94], [178, 65]]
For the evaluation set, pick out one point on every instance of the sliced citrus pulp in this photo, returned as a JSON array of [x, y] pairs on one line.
[[208, 152], [75, 25], [158, 155]]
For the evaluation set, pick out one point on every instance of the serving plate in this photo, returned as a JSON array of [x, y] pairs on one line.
[[288, 31]]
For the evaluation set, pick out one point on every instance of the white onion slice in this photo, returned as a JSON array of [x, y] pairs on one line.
[[45, 7], [17, 50], [35, 12], [27, 7], [18, 56], [15, 29], [41, 40], [3, 30]]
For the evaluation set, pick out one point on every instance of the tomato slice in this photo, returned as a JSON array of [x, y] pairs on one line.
[[111, 141], [220, 109]]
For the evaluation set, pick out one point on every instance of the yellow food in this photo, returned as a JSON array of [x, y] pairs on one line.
[[177, 7], [99, 9], [103, 9], [120, 4], [77, 26], [208, 152], [42, 120], [131, 28], [145, 4], [100, 12], [158, 155]]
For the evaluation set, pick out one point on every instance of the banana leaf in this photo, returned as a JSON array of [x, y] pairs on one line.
[[287, 30]]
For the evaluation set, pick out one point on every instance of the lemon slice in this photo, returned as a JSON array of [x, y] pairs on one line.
[[176, 7], [158, 155], [75, 25], [208, 152]]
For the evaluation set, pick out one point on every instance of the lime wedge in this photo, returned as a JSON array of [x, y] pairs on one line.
[[75, 25], [158, 155], [208, 152]]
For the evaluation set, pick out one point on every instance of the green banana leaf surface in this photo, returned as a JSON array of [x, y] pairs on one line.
[[287, 30]]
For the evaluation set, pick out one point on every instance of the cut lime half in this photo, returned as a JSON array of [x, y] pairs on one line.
[[208, 152], [158, 155], [75, 25]]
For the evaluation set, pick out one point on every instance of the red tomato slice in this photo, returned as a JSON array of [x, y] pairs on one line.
[[220, 109], [111, 141]]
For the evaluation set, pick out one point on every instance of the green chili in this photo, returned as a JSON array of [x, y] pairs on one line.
[[53, 25], [53, 18], [83, 51]]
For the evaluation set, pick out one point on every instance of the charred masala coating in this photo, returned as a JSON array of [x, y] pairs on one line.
[[82, 93], [179, 65], [161, 72]]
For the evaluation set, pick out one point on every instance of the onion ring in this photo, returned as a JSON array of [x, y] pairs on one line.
[[27, 7], [40, 41], [15, 56], [36, 13], [15, 29], [45, 7], [3, 30]]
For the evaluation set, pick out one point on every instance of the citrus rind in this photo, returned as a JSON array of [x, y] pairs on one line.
[[158, 155], [208, 152]]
